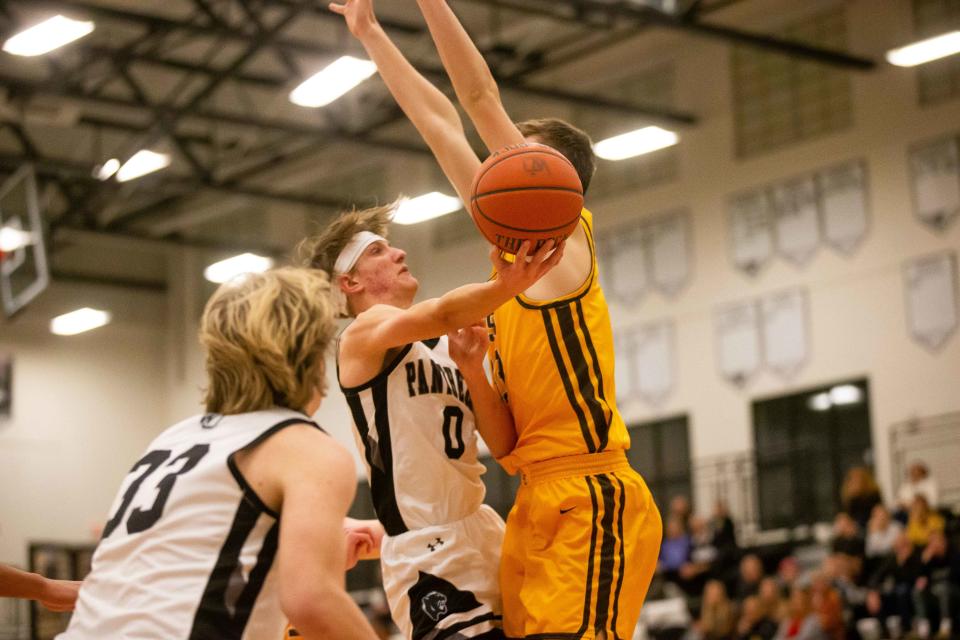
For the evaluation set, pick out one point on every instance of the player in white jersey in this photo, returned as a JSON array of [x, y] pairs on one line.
[[415, 423], [194, 547]]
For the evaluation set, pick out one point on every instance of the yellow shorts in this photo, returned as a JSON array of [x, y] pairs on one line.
[[580, 549]]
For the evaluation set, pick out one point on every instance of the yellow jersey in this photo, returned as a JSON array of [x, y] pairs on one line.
[[552, 363]]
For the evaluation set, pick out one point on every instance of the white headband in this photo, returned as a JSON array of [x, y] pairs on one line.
[[345, 262]]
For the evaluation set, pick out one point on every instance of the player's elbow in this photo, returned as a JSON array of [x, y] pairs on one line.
[[312, 608], [481, 96]]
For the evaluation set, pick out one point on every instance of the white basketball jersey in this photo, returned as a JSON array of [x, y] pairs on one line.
[[188, 550], [416, 433]]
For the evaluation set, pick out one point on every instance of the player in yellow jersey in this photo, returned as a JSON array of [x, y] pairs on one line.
[[583, 537]]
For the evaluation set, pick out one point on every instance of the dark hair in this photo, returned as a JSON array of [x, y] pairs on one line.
[[572, 142]]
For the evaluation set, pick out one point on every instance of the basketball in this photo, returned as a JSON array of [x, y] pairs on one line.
[[526, 192]]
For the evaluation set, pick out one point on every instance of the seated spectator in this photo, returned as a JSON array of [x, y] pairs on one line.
[[937, 592], [882, 530], [721, 525], [788, 572], [751, 573], [801, 623], [693, 575], [841, 571], [680, 509], [828, 606], [891, 586], [674, 551], [771, 599], [717, 619], [846, 537], [923, 521], [918, 482], [859, 495], [755, 623]]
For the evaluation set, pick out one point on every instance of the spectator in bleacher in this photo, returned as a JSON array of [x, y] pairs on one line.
[[674, 550], [840, 569], [788, 572], [891, 586], [721, 525], [882, 530], [828, 605], [801, 623], [693, 575], [918, 482], [751, 573], [755, 623], [771, 598], [717, 618], [923, 521], [859, 495], [937, 593], [680, 509], [846, 536]]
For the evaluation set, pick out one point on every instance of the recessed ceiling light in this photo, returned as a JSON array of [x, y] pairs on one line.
[[50, 34], [142, 163], [927, 50], [230, 268], [635, 143], [426, 207], [79, 321], [336, 79]]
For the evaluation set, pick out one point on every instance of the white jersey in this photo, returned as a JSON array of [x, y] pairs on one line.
[[417, 435], [188, 551]]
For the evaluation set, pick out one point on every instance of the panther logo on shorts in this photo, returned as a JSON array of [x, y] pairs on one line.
[[434, 604]]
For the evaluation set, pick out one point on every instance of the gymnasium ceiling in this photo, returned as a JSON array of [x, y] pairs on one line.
[[208, 82]]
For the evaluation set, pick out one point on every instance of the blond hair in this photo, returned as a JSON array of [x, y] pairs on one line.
[[321, 251], [266, 339]]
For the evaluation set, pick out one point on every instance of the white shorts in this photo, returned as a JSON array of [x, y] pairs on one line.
[[442, 582]]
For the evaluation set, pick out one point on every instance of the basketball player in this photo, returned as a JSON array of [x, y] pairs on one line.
[[416, 424], [194, 547], [55, 595], [583, 537]]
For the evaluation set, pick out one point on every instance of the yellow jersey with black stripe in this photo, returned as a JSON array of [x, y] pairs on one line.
[[552, 362]]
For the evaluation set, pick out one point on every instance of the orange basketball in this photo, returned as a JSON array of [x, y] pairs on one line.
[[526, 192]]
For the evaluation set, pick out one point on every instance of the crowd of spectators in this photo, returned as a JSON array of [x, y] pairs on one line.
[[886, 573]]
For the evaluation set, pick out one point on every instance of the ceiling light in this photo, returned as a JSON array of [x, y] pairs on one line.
[[635, 143], [142, 163], [926, 50], [336, 79], [426, 207], [236, 266], [12, 239], [45, 37], [79, 321], [819, 402], [107, 169], [845, 394]]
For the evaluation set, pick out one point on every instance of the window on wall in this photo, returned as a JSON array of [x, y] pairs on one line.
[[660, 452], [501, 486], [939, 80], [780, 100], [366, 575], [804, 444]]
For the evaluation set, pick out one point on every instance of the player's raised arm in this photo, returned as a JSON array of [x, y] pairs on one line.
[[431, 112], [56, 595], [476, 89]]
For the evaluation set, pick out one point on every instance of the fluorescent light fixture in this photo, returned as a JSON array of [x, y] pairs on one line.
[[336, 79], [78, 321], [927, 50], [142, 163], [12, 239], [845, 394], [236, 266], [426, 207], [820, 402], [635, 143], [107, 169], [45, 37]]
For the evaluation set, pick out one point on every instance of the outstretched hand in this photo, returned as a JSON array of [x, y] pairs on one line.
[[468, 346], [358, 15], [525, 270]]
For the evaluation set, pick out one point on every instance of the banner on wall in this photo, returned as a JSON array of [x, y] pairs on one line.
[[785, 344], [670, 251], [797, 227], [751, 234], [655, 374], [6, 386], [843, 205], [935, 173], [932, 298], [738, 341], [624, 267], [625, 374]]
